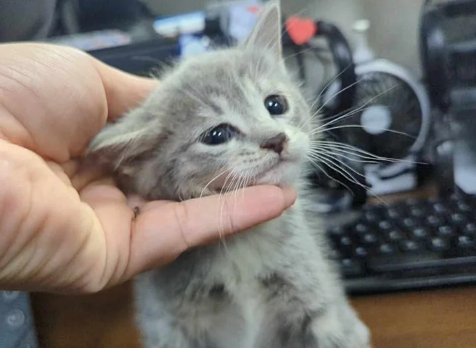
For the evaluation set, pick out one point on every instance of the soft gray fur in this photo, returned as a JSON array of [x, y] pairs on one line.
[[271, 287]]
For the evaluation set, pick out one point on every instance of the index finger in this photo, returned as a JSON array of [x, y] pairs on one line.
[[163, 231]]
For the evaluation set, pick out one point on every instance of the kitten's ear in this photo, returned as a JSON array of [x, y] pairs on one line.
[[267, 32], [118, 144]]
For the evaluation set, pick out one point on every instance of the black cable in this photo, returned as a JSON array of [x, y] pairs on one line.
[[300, 60]]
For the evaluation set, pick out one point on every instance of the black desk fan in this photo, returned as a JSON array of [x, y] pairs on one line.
[[379, 109]]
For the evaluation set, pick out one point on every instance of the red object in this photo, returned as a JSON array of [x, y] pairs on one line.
[[300, 30], [253, 9]]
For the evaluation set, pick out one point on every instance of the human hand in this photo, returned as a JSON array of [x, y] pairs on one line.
[[64, 228]]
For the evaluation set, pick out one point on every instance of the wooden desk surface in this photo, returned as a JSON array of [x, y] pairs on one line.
[[430, 319]]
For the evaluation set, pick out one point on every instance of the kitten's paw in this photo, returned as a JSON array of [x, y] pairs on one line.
[[339, 328]]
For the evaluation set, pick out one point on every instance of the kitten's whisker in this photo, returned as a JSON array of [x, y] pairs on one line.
[[345, 155], [330, 162], [236, 182], [248, 181], [298, 53], [333, 120], [343, 113], [222, 206], [350, 112], [337, 94], [362, 153], [355, 153], [323, 90], [221, 203], [337, 170], [358, 157], [357, 110], [362, 127], [211, 181], [235, 189], [329, 155], [335, 167], [313, 163]]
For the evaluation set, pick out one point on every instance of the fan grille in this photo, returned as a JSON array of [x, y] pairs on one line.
[[388, 92]]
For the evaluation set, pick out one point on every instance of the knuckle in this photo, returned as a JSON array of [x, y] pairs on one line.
[[181, 213], [229, 217]]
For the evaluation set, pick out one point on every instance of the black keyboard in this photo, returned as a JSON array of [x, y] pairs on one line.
[[412, 244]]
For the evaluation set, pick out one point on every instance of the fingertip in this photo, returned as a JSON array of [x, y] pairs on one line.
[[290, 196], [281, 198]]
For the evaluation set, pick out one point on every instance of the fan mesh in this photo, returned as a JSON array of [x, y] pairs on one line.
[[381, 89]]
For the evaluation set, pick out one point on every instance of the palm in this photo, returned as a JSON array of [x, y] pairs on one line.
[[34, 122]]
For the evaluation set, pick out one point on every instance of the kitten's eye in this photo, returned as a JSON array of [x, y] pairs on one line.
[[276, 105], [219, 135]]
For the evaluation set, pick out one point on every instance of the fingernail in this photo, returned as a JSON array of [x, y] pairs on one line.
[[290, 195]]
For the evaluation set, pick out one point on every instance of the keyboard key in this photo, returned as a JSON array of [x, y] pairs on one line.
[[445, 231], [386, 249], [335, 254], [409, 223], [440, 208], [410, 245], [394, 213], [369, 238], [458, 218], [360, 252], [362, 228], [465, 242], [385, 225], [465, 207], [438, 244], [434, 221], [337, 231], [418, 212], [395, 236], [420, 233], [371, 216], [351, 268], [470, 229], [345, 241]]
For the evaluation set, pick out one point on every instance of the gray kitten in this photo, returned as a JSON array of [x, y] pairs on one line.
[[229, 117]]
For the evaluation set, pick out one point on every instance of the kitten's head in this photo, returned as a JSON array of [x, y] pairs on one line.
[[222, 120]]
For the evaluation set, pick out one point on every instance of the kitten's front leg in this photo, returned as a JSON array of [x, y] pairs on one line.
[[309, 309], [337, 327], [204, 316]]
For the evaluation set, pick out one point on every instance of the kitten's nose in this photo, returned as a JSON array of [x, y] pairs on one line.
[[275, 143]]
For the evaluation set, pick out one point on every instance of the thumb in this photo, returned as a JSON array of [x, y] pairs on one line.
[[164, 230], [124, 91]]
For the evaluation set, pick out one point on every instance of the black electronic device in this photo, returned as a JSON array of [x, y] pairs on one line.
[[411, 244], [448, 52]]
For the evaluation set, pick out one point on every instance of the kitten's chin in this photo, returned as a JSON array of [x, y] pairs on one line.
[[283, 174]]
